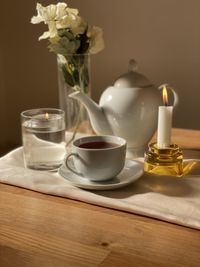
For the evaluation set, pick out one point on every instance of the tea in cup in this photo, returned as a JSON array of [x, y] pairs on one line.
[[98, 158]]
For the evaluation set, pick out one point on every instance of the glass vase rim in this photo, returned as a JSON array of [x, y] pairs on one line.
[[75, 54]]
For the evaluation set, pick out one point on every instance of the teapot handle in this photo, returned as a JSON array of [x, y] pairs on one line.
[[176, 97]]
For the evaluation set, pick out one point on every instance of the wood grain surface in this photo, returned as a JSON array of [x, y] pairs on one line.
[[38, 230], [188, 139]]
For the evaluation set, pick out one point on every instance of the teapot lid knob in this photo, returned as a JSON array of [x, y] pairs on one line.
[[132, 66], [132, 78]]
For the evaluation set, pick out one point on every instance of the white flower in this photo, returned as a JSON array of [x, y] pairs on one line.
[[72, 21], [67, 31], [95, 34], [50, 15]]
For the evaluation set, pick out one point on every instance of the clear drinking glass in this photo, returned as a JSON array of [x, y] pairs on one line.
[[43, 136]]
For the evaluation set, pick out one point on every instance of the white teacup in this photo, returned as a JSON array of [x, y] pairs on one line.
[[98, 158]]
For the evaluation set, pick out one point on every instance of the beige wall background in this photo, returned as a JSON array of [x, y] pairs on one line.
[[163, 36]]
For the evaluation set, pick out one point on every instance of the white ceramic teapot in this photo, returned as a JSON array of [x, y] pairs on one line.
[[128, 109]]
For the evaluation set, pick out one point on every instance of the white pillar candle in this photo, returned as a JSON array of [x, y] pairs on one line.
[[164, 126], [164, 122]]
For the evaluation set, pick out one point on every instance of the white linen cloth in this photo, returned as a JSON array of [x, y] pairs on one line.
[[171, 199]]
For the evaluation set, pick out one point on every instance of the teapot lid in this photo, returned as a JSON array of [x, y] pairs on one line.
[[132, 78]]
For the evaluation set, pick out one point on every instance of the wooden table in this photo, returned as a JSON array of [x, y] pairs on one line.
[[42, 230]]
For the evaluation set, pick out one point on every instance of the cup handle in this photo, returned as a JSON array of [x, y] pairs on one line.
[[68, 165], [176, 97]]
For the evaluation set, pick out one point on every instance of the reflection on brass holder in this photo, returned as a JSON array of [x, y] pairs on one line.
[[164, 161]]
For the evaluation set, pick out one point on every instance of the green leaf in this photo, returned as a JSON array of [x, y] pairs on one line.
[[84, 43], [67, 76], [76, 77]]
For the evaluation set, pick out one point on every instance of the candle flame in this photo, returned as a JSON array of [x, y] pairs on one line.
[[46, 116], [165, 96]]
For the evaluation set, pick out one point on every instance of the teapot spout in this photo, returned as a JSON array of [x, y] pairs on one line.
[[96, 114]]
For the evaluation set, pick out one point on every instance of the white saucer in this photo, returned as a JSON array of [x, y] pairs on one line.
[[131, 172]]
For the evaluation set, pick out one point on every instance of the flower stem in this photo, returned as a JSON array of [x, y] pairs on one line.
[[77, 124]]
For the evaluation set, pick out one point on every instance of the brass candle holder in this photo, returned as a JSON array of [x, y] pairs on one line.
[[164, 161]]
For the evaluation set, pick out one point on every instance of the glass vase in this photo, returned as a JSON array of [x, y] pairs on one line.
[[74, 74]]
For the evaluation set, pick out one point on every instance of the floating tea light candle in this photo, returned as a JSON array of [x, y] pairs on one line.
[[43, 134]]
